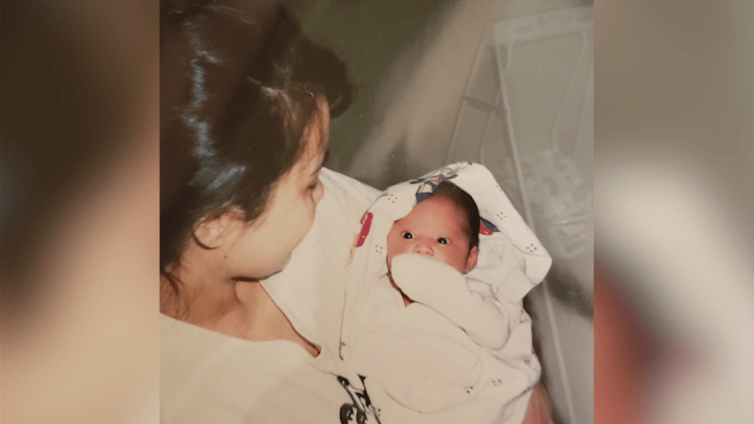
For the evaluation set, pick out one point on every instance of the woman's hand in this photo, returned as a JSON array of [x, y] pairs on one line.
[[540, 409]]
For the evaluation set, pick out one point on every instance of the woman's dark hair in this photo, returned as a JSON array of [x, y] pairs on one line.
[[239, 84], [465, 203]]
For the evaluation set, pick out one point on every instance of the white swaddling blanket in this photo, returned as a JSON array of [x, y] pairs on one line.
[[421, 366]]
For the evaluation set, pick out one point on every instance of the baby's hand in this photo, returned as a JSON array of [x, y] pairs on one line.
[[428, 281], [442, 288]]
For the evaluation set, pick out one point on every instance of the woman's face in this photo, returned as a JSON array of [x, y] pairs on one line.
[[263, 247]]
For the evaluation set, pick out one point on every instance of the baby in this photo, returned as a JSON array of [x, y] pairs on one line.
[[425, 331], [445, 227]]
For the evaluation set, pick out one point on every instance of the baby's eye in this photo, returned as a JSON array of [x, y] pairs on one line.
[[442, 240], [407, 235]]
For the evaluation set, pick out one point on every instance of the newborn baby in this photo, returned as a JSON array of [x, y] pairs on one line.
[[445, 227], [433, 316], [422, 331]]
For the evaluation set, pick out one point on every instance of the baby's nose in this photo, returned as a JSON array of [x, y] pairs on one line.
[[422, 249]]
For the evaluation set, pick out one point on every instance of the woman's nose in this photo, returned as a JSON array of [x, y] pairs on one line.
[[423, 249]]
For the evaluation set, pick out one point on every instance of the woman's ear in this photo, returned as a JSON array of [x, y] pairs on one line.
[[472, 259], [210, 232]]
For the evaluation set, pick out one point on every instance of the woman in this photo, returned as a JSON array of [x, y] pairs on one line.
[[246, 103], [244, 130]]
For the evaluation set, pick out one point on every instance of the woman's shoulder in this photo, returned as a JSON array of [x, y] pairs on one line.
[[346, 192]]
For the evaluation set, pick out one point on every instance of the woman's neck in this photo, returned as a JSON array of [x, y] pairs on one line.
[[229, 306], [201, 295]]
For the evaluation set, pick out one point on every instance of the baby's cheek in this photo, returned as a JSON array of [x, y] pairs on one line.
[[459, 261], [395, 249], [390, 250], [390, 246]]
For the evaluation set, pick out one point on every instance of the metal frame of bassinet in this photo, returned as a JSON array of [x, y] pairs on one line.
[[507, 34]]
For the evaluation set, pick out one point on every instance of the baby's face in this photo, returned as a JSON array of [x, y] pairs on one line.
[[434, 228]]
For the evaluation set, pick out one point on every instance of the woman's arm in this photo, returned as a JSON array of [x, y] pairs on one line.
[[540, 408]]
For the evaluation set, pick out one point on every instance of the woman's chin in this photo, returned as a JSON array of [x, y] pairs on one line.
[[286, 262], [280, 267]]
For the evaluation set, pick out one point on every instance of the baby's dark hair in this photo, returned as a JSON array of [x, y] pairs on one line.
[[464, 202]]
